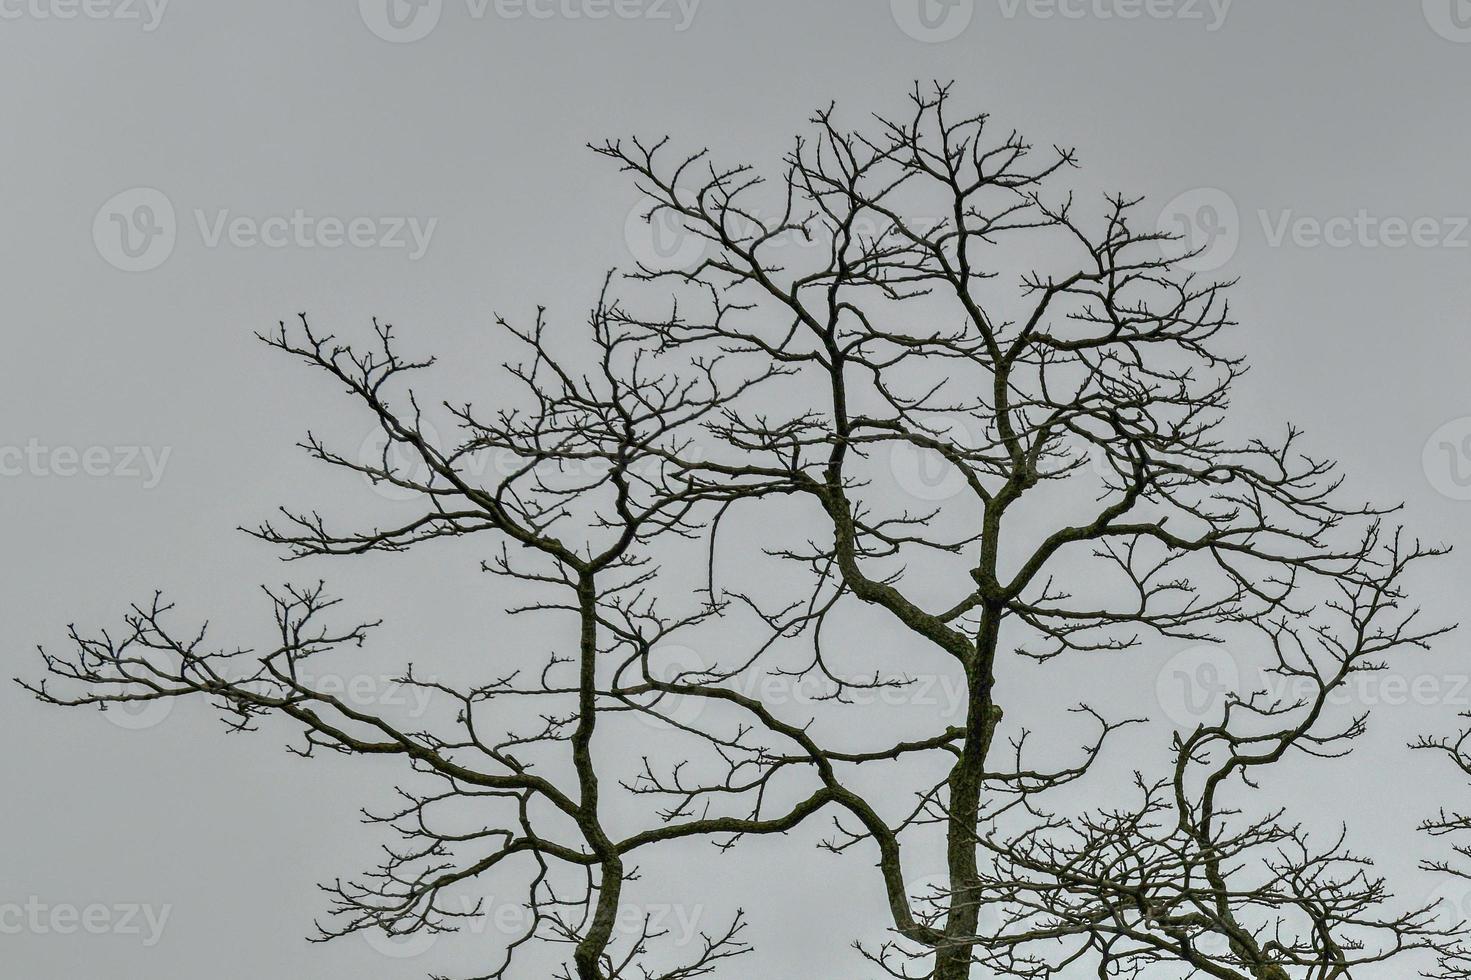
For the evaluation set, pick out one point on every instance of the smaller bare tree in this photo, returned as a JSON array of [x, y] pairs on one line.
[[583, 487]]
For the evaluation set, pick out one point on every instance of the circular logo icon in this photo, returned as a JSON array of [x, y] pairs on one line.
[[671, 663], [1446, 459], [1451, 19], [923, 473], [930, 898], [401, 21], [1111, 467], [135, 230], [933, 21], [1207, 226], [1193, 685], [662, 240], [400, 946], [398, 458], [1451, 904]]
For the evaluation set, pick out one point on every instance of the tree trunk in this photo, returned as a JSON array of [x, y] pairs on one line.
[[953, 959]]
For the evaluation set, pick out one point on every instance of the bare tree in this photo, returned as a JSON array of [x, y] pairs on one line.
[[1451, 826], [915, 287]]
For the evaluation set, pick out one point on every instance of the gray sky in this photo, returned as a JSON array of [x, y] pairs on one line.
[[180, 175]]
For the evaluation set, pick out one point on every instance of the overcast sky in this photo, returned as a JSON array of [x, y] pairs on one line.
[[180, 175]]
